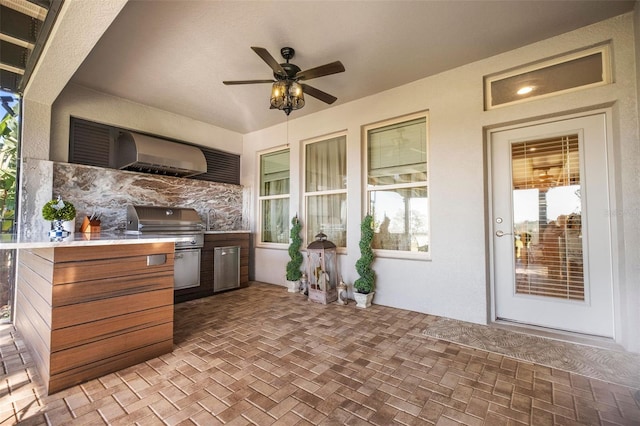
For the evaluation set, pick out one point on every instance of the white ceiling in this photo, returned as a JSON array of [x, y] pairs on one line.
[[174, 55]]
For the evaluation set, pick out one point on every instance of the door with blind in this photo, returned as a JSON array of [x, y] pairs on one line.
[[550, 226]]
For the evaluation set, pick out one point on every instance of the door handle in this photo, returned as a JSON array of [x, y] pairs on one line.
[[500, 233]]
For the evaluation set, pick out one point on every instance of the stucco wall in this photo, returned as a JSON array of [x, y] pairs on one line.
[[454, 283]]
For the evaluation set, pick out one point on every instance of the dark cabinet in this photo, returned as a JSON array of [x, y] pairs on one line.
[[211, 241]]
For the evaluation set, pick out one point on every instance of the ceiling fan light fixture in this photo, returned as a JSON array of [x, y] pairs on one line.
[[278, 94], [286, 96], [286, 93]]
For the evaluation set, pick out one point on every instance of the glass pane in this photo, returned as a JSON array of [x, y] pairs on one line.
[[275, 221], [9, 184], [554, 78], [397, 153], [274, 173], [547, 216], [327, 213], [326, 165], [401, 218]]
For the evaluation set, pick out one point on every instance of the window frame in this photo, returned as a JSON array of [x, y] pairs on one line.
[[261, 198], [306, 194], [607, 75], [386, 253]]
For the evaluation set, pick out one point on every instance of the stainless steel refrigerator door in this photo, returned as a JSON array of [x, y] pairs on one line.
[[226, 268], [186, 268]]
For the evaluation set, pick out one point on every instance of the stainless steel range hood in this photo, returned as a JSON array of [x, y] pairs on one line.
[[147, 154]]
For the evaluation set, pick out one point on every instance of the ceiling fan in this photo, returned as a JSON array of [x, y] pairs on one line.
[[287, 93]]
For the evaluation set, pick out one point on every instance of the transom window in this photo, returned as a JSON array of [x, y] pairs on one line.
[[397, 185], [325, 189], [274, 197]]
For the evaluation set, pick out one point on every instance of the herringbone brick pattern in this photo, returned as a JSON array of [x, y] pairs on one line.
[[263, 356]]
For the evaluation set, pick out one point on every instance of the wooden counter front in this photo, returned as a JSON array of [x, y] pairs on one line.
[[89, 311]]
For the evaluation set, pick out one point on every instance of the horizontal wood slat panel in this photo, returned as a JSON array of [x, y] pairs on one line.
[[66, 316], [241, 239], [69, 272], [37, 348], [82, 334], [99, 310], [70, 254], [87, 291], [39, 284], [36, 304], [103, 349], [41, 265], [118, 362]]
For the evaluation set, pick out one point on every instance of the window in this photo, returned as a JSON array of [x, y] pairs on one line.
[[325, 189], [397, 190], [9, 190], [579, 70], [274, 197]]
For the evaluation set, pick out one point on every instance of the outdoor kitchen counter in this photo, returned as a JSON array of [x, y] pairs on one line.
[[240, 231], [95, 304], [9, 242]]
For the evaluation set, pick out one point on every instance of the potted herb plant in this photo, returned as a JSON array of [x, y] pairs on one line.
[[62, 215], [365, 285], [294, 273]]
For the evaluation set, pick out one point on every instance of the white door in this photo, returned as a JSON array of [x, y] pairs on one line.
[[551, 225]]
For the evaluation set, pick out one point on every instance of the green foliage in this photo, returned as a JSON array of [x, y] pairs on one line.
[[50, 212], [8, 166], [366, 283], [293, 267]]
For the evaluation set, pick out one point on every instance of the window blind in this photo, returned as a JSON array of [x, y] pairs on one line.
[[548, 218]]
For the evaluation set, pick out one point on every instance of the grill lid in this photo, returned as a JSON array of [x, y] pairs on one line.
[[162, 219]]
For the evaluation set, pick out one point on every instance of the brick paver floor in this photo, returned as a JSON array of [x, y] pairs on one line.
[[263, 356]]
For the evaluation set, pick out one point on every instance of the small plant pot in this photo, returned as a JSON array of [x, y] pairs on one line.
[[363, 300], [69, 226], [293, 286], [57, 229]]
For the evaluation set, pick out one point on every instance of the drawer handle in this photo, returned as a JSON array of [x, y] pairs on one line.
[[156, 259]]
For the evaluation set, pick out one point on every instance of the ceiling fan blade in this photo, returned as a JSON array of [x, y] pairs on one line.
[[327, 69], [266, 56], [318, 94], [246, 82]]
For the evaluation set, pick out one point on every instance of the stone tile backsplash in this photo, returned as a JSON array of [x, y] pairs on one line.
[[108, 191]]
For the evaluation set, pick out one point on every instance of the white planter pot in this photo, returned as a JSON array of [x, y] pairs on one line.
[[293, 286], [363, 300], [69, 226]]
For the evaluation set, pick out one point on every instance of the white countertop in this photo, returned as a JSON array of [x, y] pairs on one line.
[[8, 241]]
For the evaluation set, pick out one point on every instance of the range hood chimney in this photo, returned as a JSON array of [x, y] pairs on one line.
[[147, 154]]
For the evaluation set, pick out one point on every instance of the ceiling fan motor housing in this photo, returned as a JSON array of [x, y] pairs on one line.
[[290, 69]]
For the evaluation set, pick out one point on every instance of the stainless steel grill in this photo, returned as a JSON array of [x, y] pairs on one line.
[[166, 221], [183, 222]]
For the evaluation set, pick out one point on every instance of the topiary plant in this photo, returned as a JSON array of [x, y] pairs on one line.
[[366, 283], [58, 210], [293, 267]]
